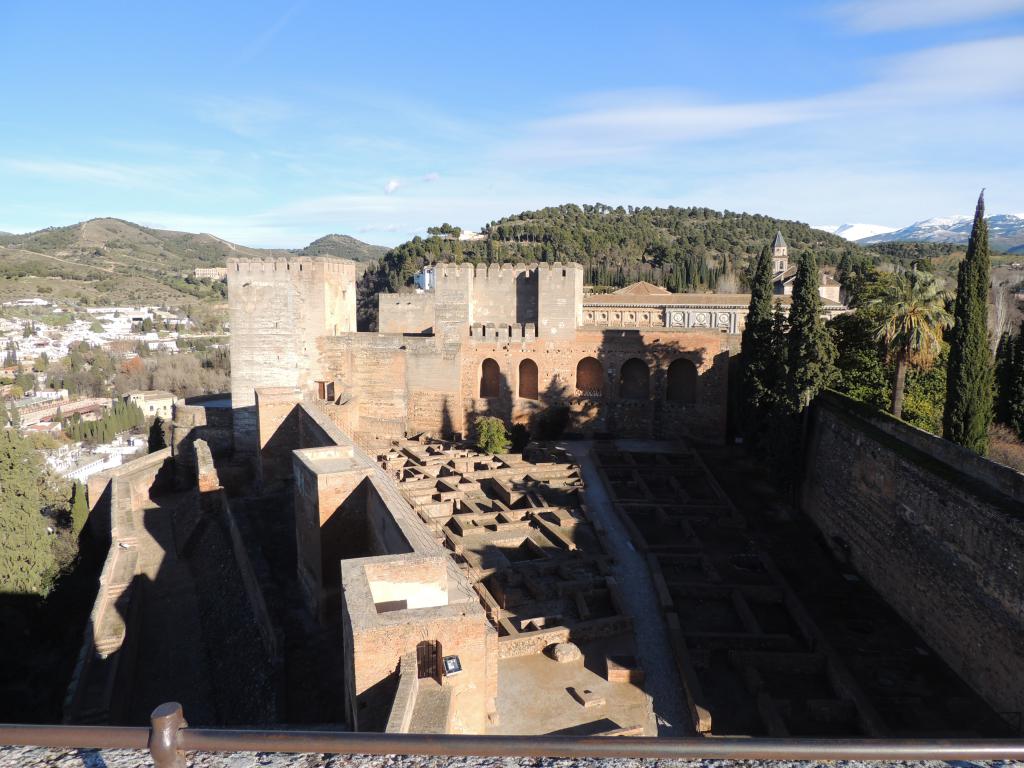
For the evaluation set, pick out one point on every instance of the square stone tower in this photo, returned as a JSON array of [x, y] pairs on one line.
[[278, 310]]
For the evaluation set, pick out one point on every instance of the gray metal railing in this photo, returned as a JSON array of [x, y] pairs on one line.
[[168, 739]]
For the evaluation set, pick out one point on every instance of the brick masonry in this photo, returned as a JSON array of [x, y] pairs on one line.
[[935, 529]]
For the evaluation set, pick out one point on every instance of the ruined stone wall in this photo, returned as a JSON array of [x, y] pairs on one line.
[[278, 308], [704, 418], [195, 421], [405, 312], [938, 531]]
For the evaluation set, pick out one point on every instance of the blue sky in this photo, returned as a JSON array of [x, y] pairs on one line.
[[271, 124]]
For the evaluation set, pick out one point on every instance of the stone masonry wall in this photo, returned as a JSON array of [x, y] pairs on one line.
[[405, 312], [936, 530], [278, 308], [704, 419]]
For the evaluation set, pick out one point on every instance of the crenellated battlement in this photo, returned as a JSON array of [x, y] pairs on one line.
[[262, 265]]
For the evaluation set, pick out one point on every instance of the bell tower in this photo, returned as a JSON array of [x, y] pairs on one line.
[[780, 253]]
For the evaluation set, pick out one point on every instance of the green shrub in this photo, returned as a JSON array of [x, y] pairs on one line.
[[491, 435]]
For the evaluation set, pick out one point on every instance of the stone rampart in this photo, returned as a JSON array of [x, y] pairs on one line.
[[937, 530]]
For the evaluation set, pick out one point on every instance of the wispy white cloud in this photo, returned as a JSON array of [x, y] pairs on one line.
[[111, 174], [628, 126], [392, 185], [886, 15], [246, 117], [432, 176]]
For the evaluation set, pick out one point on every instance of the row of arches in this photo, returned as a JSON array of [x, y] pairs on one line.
[[634, 380]]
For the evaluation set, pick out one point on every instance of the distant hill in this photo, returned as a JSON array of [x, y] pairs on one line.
[[344, 246], [116, 261], [1005, 232], [683, 249]]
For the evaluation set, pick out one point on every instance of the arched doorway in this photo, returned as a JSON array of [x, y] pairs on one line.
[[490, 378], [589, 377], [682, 382], [634, 380], [528, 379]]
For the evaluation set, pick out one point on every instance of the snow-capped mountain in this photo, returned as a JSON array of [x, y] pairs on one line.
[[1005, 232], [855, 232]]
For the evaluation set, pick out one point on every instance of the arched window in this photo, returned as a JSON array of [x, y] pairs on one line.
[[682, 382], [589, 377], [634, 380], [528, 379], [490, 378]]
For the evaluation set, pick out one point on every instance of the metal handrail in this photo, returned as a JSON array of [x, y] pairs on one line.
[[169, 737]]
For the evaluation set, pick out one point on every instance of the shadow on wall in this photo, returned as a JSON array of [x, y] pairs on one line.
[[634, 384], [172, 621]]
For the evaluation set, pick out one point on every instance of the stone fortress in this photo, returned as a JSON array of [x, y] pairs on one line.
[[502, 339], [365, 559]]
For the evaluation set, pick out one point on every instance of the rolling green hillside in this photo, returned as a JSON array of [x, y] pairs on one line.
[[110, 261]]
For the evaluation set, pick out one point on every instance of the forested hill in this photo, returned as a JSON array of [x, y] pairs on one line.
[[684, 249]]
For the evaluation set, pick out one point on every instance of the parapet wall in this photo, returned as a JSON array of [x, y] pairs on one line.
[[106, 661], [937, 530]]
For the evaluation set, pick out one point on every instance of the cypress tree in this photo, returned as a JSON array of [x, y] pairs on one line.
[[812, 352], [969, 374], [1015, 385], [1006, 354], [756, 346]]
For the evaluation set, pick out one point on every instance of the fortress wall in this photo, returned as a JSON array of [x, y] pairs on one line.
[[938, 531], [453, 294], [405, 312], [278, 308], [559, 299], [705, 419], [505, 294]]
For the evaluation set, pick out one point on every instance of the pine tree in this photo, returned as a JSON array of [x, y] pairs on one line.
[[969, 375], [757, 347], [811, 353]]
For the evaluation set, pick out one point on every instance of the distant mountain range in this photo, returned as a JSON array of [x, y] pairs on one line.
[[1005, 232]]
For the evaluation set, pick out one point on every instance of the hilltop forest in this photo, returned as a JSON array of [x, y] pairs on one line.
[[683, 249]]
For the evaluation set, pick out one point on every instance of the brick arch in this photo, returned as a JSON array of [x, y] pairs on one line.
[[589, 376], [682, 382], [490, 378], [634, 380], [528, 379]]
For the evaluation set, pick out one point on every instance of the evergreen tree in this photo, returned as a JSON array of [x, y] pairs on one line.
[[15, 418], [1015, 381], [811, 353], [28, 563], [757, 347], [969, 377], [3, 415], [491, 435], [1006, 355]]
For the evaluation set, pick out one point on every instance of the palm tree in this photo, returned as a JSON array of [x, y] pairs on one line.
[[913, 317]]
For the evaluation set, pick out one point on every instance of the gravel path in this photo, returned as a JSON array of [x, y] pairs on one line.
[[630, 570], [35, 757]]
